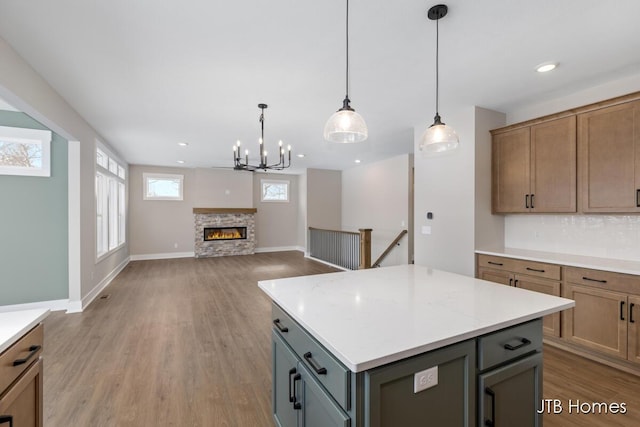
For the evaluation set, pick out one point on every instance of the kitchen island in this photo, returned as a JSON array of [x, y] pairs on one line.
[[404, 345]]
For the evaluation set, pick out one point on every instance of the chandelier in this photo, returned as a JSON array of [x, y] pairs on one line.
[[264, 165]]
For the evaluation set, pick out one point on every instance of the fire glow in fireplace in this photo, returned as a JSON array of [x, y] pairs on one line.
[[224, 233]]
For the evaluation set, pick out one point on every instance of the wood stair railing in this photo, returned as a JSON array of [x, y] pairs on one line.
[[389, 248]]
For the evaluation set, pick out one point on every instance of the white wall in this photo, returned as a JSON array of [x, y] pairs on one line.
[[376, 196], [610, 236], [456, 188], [444, 185], [276, 222]]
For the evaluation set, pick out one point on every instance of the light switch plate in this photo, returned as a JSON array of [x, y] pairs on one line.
[[426, 229], [425, 379]]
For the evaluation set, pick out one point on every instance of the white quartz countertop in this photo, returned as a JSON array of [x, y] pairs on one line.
[[368, 318], [14, 324], [608, 264]]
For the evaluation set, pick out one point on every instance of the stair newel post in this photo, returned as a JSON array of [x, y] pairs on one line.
[[365, 248]]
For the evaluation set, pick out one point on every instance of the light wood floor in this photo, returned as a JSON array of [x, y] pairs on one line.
[[186, 342]]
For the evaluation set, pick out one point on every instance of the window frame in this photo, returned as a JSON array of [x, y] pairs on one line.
[[264, 182], [111, 204], [152, 175], [28, 136]]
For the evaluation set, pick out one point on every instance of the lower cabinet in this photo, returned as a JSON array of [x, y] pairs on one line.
[[510, 395], [21, 381], [492, 378], [298, 399]]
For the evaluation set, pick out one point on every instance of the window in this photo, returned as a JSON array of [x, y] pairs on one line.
[[274, 191], [110, 204], [25, 151], [162, 186]]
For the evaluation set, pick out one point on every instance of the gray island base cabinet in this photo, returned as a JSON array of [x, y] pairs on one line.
[[496, 376], [406, 346]]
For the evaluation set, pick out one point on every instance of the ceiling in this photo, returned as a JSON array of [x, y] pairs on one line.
[[148, 74]]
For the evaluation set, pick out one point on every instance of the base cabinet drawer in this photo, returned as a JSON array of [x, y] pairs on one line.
[[21, 404]]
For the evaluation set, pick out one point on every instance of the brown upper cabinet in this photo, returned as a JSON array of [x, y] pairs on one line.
[[534, 168], [609, 158]]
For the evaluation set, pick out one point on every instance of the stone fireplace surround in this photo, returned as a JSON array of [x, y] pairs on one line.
[[224, 217]]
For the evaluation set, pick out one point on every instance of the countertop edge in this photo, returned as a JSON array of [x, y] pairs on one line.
[[360, 366], [569, 260], [24, 329]]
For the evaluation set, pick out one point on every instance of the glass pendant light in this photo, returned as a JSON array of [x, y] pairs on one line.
[[345, 125], [438, 137]]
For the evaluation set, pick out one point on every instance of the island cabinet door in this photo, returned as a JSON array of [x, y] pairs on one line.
[[318, 408], [432, 389], [285, 371], [510, 395]]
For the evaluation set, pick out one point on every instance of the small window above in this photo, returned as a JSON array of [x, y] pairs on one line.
[[25, 151], [274, 191], [162, 186]]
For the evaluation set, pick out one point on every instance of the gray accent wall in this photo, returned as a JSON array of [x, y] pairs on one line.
[[34, 227]]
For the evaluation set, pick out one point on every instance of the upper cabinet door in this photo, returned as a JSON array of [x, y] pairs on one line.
[[511, 171], [553, 166], [609, 150]]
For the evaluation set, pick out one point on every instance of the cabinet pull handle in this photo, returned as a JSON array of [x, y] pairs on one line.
[[526, 201], [279, 326], [621, 310], [319, 370], [510, 282], [523, 343], [638, 198], [535, 269], [33, 350], [494, 263], [631, 313], [532, 196], [6, 419], [594, 280], [292, 371], [516, 283], [490, 421], [296, 405]]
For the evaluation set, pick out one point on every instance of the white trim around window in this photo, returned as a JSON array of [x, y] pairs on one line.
[[25, 151], [272, 190], [162, 186]]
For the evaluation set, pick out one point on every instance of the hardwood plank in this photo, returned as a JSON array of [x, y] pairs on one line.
[[568, 377], [183, 342], [186, 342]]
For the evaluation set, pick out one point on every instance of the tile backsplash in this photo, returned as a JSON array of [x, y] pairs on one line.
[[604, 236]]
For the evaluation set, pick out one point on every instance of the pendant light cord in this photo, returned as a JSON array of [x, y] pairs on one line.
[[347, 53], [437, 64]]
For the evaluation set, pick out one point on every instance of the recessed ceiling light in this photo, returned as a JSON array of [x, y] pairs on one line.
[[180, 161], [357, 161], [546, 67], [183, 144], [301, 155]]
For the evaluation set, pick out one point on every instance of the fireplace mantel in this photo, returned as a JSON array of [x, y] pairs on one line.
[[224, 210]]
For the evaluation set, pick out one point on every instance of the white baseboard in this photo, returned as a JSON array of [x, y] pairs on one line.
[[280, 249], [325, 262], [88, 299], [53, 305], [168, 255]]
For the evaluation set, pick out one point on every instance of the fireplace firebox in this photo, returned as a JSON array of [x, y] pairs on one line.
[[225, 233]]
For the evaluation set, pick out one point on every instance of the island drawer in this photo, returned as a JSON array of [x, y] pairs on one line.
[[531, 268], [324, 367], [17, 358], [510, 343]]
